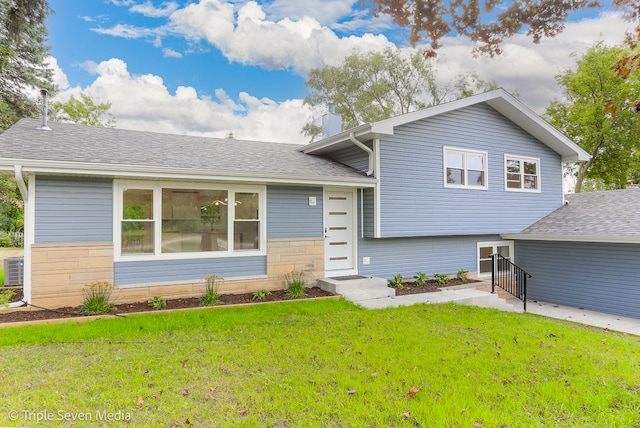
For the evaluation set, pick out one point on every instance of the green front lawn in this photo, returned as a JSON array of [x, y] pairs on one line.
[[320, 364]]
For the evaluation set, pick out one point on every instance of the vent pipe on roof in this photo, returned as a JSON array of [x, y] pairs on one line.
[[45, 110], [331, 122]]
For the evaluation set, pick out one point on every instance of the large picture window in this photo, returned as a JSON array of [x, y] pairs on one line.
[[465, 168], [522, 174], [167, 221]]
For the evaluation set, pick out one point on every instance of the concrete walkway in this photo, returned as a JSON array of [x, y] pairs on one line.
[[470, 296]]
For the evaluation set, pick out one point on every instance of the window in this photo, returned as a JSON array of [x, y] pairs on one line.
[[522, 174], [160, 220], [137, 221], [485, 249], [465, 169]]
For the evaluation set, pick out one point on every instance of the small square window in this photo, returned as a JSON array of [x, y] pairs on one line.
[[522, 174]]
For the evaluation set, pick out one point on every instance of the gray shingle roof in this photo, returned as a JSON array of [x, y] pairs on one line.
[[610, 214], [84, 145]]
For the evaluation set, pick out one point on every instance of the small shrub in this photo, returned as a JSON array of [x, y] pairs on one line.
[[441, 278], [5, 297], [261, 294], [462, 274], [396, 282], [211, 294], [295, 284], [420, 278], [97, 298], [157, 302]]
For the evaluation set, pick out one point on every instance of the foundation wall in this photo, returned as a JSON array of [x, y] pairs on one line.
[[60, 272]]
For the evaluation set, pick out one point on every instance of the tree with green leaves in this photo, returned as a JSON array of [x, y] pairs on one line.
[[377, 85], [83, 111], [22, 54], [11, 205], [596, 113]]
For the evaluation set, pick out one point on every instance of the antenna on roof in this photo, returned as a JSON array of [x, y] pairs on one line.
[[45, 110]]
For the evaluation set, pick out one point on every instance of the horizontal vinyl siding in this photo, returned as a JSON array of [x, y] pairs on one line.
[[406, 256], [73, 210], [354, 157], [414, 201], [141, 272], [365, 204], [594, 276], [289, 214]]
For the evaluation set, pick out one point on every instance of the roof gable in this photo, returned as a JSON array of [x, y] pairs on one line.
[[499, 100]]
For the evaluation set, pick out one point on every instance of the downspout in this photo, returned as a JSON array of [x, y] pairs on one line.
[[22, 186], [353, 139]]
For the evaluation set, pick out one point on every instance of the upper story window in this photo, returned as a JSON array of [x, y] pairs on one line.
[[168, 221], [522, 174], [465, 168]]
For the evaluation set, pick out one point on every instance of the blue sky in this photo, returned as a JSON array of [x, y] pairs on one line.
[[211, 67]]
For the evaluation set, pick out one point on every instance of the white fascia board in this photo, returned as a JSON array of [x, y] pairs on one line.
[[135, 171], [573, 238], [342, 137]]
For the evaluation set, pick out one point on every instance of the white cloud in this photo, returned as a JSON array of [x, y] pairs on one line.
[[323, 11], [143, 102], [246, 35], [529, 68], [148, 9], [128, 31], [170, 53]]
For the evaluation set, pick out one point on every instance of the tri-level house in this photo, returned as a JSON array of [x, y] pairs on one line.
[[431, 191]]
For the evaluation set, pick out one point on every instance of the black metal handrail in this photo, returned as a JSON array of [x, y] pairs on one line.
[[509, 277]]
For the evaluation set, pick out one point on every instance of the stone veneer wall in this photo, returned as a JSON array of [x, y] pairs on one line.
[[60, 271]]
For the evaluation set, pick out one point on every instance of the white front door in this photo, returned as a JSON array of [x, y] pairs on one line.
[[340, 228]]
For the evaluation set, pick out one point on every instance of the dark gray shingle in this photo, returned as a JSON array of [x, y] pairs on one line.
[[93, 145], [614, 213]]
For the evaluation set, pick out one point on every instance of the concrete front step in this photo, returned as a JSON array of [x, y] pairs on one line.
[[371, 294], [352, 284]]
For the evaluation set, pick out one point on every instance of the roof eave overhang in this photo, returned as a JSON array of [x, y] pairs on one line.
[[366, 132], [154, 173], [573, 238]]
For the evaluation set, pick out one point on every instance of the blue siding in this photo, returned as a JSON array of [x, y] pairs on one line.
[[289, 214], [354, 157], [368, 208], [406, 256], [187, 270], [594, 276], [414, 201], [73, 210]]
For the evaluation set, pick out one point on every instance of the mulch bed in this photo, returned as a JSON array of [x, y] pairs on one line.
[[431, 286], [127, 308], [225, 299]]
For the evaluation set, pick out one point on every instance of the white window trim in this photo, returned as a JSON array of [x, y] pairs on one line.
[[492, 244], [523, 159], [120, 185], [465, 152]]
